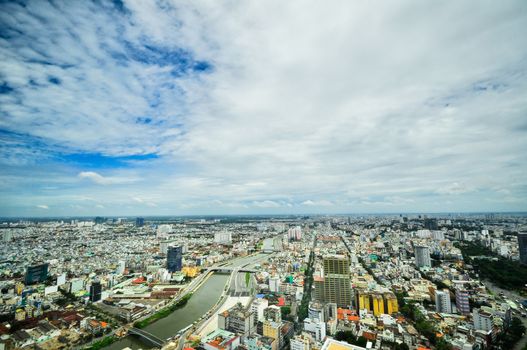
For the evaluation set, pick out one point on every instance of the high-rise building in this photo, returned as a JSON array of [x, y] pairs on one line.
[[315, 311], [443, 304], [378, 304], [337, 286], [274, 284], [316, 328], [258, 307], [95, 291], [482, 320], [139, 222], [272, 329], [237, 320], [522, 247], [391, 304], [174, 258], [422, 256], [294, 233], [36, 273], [462, 302]]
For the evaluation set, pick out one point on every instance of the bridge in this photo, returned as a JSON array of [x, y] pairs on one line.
[[227, 269], [149, 337]]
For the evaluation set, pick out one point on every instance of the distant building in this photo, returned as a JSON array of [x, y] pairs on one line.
[[294, 233], [223, 238], [443, 304], [99, 220], [139, 222], [175, 258], [316, 328], [95, 291], [522, 247], [36, 273], [274, 284], [422, 256], [300, 342], [462, 302], [337, 285]]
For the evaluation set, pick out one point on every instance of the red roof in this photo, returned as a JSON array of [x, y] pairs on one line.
[[281, 301]]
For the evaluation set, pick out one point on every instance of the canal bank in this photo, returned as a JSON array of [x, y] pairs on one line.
[[200, 303]]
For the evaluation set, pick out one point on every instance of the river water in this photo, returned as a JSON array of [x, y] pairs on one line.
[[201, 302]]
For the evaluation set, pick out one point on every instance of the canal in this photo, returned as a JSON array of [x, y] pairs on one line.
[[201, 302]]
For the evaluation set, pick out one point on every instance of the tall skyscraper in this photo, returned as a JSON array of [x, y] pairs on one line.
[[422, 256], [36, 273], [95, 291], [522, 247], [443, 303], [175, 258], [337, 286], [139, 222]]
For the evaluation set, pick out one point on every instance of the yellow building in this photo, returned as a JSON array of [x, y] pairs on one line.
[[20, 315], [271, 329], [364, 301], [378, 304], [392, 306], [19, 287], [190, 271]]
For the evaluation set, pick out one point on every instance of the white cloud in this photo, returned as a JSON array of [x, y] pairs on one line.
[[42, 206], [102, 180], [266, 204], [361, 112]]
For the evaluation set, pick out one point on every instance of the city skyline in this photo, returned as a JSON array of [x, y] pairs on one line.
[[143, 109]]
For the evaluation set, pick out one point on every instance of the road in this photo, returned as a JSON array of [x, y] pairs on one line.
[[513, 296]]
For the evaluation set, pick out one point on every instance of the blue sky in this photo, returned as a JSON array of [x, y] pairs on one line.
[[216, 107]]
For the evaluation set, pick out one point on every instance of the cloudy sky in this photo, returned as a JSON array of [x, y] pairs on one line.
[[214, 107]]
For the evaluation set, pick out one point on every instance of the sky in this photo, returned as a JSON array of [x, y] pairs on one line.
[[262, 107]]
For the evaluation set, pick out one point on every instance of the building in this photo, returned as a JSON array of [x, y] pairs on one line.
[[422, 256], [378, 304], [95, 291], [337, 286], [237, 320], [139, 222], [274, 284], [220, 340], [273, 313], [294, 234], [482, 320], [332, 344], [443, 304], [258, 307], [36, 273], [522, 247], [256, 342], [390, 303], [174, 258], [462, 301], [316, 328], [223, 238], [300, 342], [272, 330], [316, 311], [363, 301]]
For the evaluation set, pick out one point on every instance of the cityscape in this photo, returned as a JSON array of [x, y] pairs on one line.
[[263, 175], [454, 281]]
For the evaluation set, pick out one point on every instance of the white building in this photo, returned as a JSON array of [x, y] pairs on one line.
[[443, 304], [422, 256], [482, 320], [257, 307], [274, 284], [223, 238], [316, 328]]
